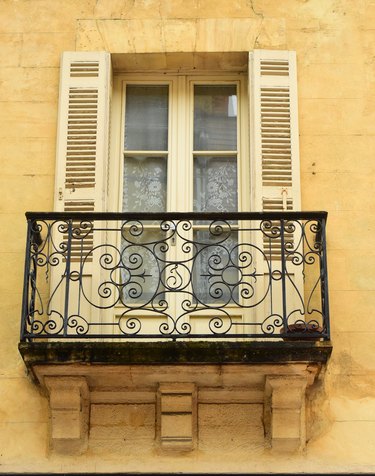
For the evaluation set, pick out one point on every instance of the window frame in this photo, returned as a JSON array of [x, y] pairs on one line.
[[182, 115], [181, 119]]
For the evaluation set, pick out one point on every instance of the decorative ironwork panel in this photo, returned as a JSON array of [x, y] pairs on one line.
[[175, 276]]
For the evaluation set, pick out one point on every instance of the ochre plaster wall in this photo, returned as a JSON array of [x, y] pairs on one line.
[[335, 45]]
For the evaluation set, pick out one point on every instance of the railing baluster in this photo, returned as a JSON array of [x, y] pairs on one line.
[[324, 275], [25, 304], [283, 274], [67, 273]]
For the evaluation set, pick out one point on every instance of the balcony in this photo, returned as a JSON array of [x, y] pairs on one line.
[[173, 276], [152, 307]]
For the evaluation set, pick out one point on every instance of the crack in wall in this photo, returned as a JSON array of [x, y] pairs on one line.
[[260, 15], [102, 37]]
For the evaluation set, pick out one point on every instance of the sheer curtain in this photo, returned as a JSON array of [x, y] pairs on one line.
[[215, 189], [144, 188]]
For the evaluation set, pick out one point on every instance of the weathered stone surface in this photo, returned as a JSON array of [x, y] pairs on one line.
[[44, 49], [177, 416], [171, 353], [10, 49], [334, 41], [174, 35], [284, 412], [69, 401]]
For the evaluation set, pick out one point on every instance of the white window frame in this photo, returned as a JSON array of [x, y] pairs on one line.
[[181, 117], [179, 195]]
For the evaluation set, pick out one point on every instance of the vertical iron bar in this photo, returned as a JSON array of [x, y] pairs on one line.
[[283, 273], [25, 283], [271, 271], [80, 277], [324, 274], [67, 272]]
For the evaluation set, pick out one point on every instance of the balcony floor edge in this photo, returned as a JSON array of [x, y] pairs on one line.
[[170, 353]]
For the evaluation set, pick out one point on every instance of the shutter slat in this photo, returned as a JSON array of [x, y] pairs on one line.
[[272, 246], [82, 152], [80, 248]]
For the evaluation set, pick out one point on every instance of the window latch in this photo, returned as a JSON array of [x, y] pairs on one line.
[[172, 227]]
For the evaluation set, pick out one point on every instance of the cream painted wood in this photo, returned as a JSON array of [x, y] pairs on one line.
[[116, 172], [82, 165], [274, 139], [180, 176], [276, 188], [83, 124], [180, 152], [200, 319], [275, 170]]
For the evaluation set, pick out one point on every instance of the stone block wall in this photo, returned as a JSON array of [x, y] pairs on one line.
[[334, 41]]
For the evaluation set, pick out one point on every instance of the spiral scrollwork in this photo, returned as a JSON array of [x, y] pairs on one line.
[[270, 229], [220, 325], [78, 324], [129, 325], [272, 324], [170, 276]]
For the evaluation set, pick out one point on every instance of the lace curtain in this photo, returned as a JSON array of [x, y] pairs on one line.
[[214, 176]]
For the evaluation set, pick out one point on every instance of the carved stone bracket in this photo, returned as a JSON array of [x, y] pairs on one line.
[[177, 416], [284, 412], [69, 399], [177, 391]]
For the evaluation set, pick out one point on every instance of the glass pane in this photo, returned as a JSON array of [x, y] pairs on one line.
[[146, 117], [145, 184], [215, 184], [216, 277], [215, 117], [142, 263]]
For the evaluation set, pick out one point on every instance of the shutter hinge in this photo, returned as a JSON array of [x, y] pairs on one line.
[[60, 195]]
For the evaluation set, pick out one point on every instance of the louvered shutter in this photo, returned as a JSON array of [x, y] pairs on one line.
[[82, 137], [82, 133], [274, 131], [275, 186], [81, 177]]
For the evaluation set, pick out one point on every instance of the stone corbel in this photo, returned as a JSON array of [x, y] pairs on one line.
[[177, 416], [69, 400], [284, 412]]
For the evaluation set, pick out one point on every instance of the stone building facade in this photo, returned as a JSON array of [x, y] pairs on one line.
[[214, 408]]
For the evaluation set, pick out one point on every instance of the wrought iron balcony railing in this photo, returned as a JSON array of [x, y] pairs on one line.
[[121, 276]]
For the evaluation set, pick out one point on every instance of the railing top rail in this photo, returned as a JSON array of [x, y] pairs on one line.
[[286, 215]]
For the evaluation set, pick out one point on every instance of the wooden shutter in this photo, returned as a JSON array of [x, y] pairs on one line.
[[81, 178], [275, 184], [82, 133], [274, 131]]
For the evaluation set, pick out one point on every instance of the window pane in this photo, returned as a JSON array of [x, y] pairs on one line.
[[215, 184], [146, 117], [215, 117], [215, 276], [142, 258], [145, 184]]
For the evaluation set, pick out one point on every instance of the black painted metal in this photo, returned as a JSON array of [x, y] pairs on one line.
[[176, 276]]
